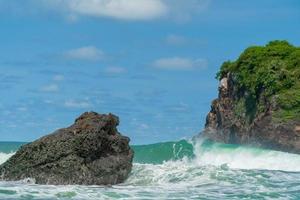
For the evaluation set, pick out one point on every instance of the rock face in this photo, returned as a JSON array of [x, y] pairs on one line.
[[259, 99], [237, 119], [89, 152]]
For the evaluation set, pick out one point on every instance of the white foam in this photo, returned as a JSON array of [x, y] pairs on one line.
[[208, 163], [179, 173], [210, 159], [247, 158], [5, 156], [181, 179]]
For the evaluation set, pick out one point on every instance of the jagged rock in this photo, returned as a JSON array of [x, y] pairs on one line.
[[90, 152], [259, 99], [228, 122]]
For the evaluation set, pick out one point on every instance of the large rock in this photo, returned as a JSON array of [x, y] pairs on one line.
[[228, 121], [90, 152], [259, 99]]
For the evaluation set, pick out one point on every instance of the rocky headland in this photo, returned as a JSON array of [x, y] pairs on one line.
[[89, 152], [259, 99]]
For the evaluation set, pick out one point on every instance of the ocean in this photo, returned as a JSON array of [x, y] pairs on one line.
[[181, 170]]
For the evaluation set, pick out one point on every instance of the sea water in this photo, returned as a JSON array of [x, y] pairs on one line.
[[182, 170]]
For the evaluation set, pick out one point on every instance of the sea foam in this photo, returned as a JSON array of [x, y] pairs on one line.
[[210, 171], [243, 157], [5, 156]]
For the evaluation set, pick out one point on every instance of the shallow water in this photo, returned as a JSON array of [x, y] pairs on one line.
[[182, 170]]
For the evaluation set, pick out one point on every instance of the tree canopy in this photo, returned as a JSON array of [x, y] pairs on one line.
[[273, 69]]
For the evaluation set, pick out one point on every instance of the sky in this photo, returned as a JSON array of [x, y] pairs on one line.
[[150, 62]]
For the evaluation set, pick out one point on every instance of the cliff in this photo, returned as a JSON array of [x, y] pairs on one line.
[[259, 99]]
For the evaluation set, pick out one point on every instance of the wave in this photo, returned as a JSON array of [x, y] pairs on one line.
[[208, 164], [204, 153], [243, 157], [8, 147], [186, 170], [160, 152], [199, 153]]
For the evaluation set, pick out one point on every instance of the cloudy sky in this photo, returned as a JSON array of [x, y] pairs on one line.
[[151, 62]]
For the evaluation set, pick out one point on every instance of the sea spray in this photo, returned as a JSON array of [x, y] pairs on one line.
[[207, 160], [243, 157], [5, 156], [204, 153], [8, 149]]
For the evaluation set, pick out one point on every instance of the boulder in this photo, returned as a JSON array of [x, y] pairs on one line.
[[89, 152]]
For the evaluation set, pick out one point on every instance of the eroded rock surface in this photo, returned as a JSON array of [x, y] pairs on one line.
[[89, 152], [237, 119]]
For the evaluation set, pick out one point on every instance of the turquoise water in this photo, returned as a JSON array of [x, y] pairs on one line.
[[8, 147], [182, 170]]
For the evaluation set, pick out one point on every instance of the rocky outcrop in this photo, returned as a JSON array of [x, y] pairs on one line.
[[236, 118], [89, 152]]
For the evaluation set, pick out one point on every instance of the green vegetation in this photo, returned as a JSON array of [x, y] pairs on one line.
[[273, 71], [240, 109]]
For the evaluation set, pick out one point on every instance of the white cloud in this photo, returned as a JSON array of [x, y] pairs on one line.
[[115, 70], [181, 107], [184, 10], [176, 40], [133, 10], [50, 88], [48, 101], [118, 9], [89, 53], [58, 77], [77, 104], [22, 108], [144, 126], [179, 40], [178, 63]]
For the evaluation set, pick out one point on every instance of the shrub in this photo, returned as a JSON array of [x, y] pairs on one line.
[[273, 69]]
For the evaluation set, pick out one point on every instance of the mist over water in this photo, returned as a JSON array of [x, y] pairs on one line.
[[186, 170]]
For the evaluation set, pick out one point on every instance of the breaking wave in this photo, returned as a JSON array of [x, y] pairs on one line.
[[186, 170]]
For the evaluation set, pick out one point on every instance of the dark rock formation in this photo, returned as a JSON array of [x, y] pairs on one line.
[[236, 118], [90, 152]]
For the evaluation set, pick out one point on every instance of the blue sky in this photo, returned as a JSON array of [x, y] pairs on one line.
[[151, 62]]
